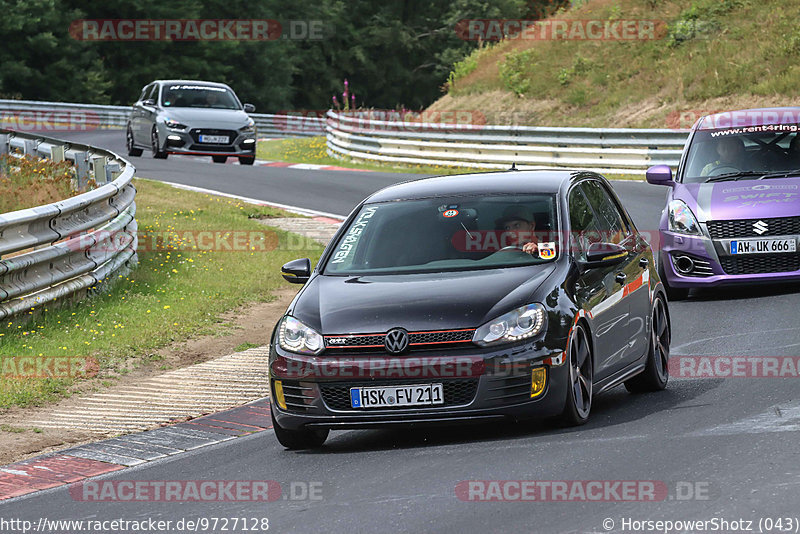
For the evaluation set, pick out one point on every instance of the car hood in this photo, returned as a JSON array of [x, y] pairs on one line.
[[209, 118], [416, 302], [743, 199]]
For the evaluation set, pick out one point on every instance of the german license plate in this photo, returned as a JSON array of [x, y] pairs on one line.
[[215, 139], [391, 396], [763, 246]]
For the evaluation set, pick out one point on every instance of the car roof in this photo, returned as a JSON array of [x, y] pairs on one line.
[[195, 82], [486, 183], [749, 117]]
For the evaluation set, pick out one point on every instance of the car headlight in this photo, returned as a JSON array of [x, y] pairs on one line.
[[681, 219], [522, 323], [249, 128], [174, 125], [294, 336]]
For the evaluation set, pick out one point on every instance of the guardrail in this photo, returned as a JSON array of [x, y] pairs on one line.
[[61, 250], [30, 115], [605, 150]]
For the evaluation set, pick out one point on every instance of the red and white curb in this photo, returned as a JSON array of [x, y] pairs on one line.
[[94, 459]]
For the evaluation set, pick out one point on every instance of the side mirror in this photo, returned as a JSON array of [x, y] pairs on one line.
[[660, 175], [604, 254], [249, 108], [297, 271], [149, 102]]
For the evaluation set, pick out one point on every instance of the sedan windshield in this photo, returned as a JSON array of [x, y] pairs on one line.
[[741, 153], [199, 96], [447, 234]]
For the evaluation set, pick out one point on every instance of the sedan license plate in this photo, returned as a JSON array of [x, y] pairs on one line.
[[763, 246], [391, 396], [215, 139]]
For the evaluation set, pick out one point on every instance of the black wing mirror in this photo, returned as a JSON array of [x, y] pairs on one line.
[[604, 254], [297, 271], [249, 108]]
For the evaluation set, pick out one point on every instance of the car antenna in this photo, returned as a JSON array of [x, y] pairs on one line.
[[513, 167]]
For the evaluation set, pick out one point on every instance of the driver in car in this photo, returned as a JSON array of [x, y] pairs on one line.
[[730, 151], [518, 225]]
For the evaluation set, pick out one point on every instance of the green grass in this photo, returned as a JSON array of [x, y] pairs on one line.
[[176, 291], [721, 54], [313, 150], [247, 345]]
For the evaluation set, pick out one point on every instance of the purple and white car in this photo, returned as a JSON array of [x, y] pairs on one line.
[[733, 210]]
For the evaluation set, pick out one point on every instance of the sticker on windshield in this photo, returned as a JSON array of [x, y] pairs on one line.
[[547, 251], [450, 213], [350, 240]]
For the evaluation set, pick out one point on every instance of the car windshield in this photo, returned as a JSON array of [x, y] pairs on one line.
[[198, 96], [447, 234], [740, 153]]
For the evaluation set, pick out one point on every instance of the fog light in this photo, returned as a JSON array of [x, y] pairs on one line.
[[174, 140], [279, 398], [538, 380], [248, 141]]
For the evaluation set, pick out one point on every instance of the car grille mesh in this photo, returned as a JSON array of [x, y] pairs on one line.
[[732, 229], [456, 392], [761, 264], [418, 340]]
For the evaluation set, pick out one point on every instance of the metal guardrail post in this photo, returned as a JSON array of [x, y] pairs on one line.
[[82, 169], [112, 171], [3, 144], [57, 153]]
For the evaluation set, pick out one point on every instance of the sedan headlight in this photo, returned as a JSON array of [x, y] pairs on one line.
[[522, 323], [681, 219], [294, 336], [174, 125]]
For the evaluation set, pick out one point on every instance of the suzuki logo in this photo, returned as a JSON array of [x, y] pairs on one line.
[[396, 341], [760, 227]]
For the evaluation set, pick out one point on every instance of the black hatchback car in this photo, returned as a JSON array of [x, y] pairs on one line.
[[506, 295]]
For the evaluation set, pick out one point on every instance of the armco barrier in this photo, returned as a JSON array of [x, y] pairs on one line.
[[42, 117], [607, 150], [56, 251]]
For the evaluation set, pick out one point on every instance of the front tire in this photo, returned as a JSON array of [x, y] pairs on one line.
[[299, 439], [578, 403], [155, 146], [656, 373], [132, 150]]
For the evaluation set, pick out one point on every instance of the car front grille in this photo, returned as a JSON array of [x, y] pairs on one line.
[[456, 392], [761, 264], [747, 228], [438, 339]]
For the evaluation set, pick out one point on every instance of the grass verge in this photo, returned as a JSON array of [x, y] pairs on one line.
[[182, 286]]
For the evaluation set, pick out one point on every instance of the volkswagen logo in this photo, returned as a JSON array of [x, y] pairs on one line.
[[396, 341], [760, 227]]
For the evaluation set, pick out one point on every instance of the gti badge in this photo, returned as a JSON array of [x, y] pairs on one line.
[[760, 227], [396, 341]]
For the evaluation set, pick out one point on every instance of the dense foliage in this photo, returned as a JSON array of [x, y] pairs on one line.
[[394, 52]]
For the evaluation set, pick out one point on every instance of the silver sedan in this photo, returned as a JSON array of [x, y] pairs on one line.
[[191, 117]]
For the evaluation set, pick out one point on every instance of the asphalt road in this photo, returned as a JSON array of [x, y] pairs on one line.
[[733, 441]]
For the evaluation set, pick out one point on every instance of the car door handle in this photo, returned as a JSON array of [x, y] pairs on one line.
[[620, 278], [643, 262]]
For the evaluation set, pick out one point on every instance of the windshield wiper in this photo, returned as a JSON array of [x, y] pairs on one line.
[[734, 176], [780, 174]]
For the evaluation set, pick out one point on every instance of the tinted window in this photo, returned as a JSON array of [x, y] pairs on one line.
[[145, 90], [609, 220], [583, 223], [446, 234], [198, 96]]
